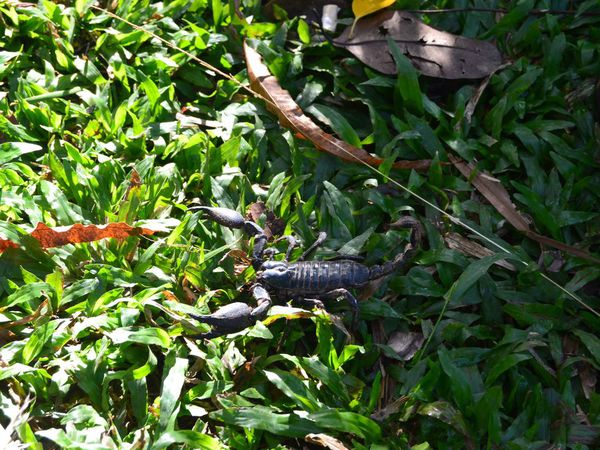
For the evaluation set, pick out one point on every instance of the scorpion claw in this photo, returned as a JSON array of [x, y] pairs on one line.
[[412, 223], [227, 319], [236, 316], [224, 216]]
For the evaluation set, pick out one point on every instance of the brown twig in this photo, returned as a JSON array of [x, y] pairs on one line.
[[533, 12]]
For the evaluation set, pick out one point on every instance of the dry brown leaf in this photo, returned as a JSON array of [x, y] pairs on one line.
[[78, 233], [391, 408], [468, 247], [168, 295], [588, 377], [495, 193], [274, 225], [27, 319], [291, 116], [406, 344], [5, 244], [324, 440], [433, 52], [472, 104]]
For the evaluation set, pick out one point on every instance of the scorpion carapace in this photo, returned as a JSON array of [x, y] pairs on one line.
[[306, 283]]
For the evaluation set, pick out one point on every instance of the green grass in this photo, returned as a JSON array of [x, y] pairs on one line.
[[93, 347]]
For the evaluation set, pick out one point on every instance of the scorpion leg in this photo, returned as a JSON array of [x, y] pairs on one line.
[[342, 292], [320, 239], [236, 316], [292, 243], [309, 303]]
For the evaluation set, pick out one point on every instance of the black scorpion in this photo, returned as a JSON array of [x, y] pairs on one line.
[[304, 282]]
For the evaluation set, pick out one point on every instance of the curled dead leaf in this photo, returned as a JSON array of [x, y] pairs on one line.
[[274, 225], [406, 344], [389, 409], [324, 440], [468, 247], [5, 244], [494, 192], [588, 377], [290, 115], [434, 53], [78, 233]]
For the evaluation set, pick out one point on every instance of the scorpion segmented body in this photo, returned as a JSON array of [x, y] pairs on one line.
[[305, 282], [315, 277]]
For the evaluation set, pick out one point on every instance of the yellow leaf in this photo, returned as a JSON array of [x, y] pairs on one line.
[[362, 8]]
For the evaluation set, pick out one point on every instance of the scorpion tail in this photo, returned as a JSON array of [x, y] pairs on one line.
[[400, 260]]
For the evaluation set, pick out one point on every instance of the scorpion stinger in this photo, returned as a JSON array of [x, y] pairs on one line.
[[303, 282]]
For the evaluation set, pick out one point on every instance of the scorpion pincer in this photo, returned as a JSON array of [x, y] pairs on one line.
[[306, 283]]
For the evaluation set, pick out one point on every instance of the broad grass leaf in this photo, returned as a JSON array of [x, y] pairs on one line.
[[16, 369], [303, 31], [347, 422], [326, 349], [28, 293], [137, 390], [288, 312], [375, 394], [89, 70], [37, 340], [445, 412], [488, 414], [5, 61], [83, 414], [13, 150], [142, 371], [461, 389], [504, 364], [327, 376], [340, 209], [66, 212], [407, 82], [264, 418], [276, 189], [375, 308], [591, 342], [512, 19], [294, 388], [208, 389], [348, 353], [191, 438], [336, 121], [535, 204], [79, 289], [472, 274], [354, 246], [148, 336], [174, 377]]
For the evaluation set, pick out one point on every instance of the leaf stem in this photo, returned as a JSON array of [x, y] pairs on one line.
[[533, 12]]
